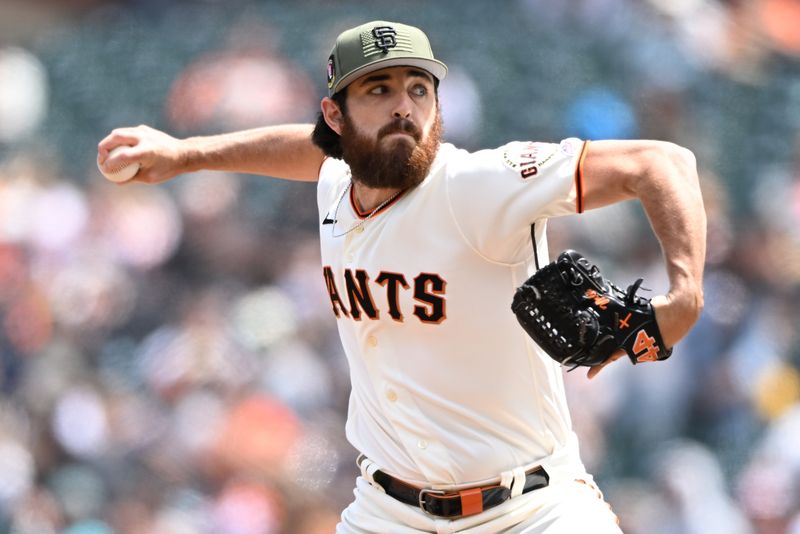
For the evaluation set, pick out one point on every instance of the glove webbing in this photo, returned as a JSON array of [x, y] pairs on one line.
[[568, 330]]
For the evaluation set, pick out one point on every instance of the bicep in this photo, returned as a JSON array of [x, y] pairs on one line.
[[611, 170]]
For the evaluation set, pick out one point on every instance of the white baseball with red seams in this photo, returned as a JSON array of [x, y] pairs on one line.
[[447, 389], [121, 173]]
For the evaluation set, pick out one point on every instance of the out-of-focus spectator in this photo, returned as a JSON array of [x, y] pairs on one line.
[[23, 94], [245, 85], [462, 109]]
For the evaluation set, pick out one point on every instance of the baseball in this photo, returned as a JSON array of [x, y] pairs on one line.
[[121, 173]]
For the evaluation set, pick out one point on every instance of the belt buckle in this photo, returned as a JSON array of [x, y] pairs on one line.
[[422, 503]]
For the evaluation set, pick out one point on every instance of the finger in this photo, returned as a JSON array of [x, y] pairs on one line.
[[138, 153], [595, 369], [121, 158], [617, 355], [120, 136]]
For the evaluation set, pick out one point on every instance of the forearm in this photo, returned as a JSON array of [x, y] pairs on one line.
[[663, 177], [281, 151], [670, 195]]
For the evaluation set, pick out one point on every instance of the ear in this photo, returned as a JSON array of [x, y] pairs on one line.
[[332, 114]]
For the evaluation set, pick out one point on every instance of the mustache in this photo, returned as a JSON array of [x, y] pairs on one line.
[[401, 126]]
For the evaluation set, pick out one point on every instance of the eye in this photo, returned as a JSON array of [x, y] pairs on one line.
[[419, 90], [378, 90]]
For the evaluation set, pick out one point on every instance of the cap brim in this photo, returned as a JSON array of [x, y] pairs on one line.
[[435, 67]]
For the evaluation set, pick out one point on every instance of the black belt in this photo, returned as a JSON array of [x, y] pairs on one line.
[[465, 502]]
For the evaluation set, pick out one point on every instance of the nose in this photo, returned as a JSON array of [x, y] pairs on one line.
[[402, 108]]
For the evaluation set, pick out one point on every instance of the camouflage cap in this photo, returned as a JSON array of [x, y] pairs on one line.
[[377, 45]]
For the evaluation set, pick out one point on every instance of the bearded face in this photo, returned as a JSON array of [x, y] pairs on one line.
[[389, 160]]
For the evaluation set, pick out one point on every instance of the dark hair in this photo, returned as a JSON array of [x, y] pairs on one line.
[[323, 136], [328, 140]]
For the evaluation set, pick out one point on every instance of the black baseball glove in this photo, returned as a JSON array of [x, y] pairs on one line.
[[580, 319]]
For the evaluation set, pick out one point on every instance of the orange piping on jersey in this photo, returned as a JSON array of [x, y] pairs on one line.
[[599, 496], [596, 490], [579, 179], [363, 214]]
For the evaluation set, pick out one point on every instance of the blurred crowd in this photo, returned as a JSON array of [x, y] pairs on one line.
[[169, 362]]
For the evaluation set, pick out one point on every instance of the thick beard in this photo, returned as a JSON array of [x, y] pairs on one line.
[[400, 165]]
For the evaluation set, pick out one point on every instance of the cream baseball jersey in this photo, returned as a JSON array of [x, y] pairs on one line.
[[446, 386]]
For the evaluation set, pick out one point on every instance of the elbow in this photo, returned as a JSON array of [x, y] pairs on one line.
[[678, 159], [660, 162], [670, 162], [686, 163], [684, 168]]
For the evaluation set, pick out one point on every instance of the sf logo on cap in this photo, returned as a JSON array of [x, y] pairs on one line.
[[384, 37]]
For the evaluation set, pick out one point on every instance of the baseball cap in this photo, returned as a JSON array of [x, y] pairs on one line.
[[377, 45]]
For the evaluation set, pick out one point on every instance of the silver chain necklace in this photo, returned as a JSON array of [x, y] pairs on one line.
[[362, 221]]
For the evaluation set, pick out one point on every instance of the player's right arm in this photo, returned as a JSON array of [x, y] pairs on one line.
[[284, 151]]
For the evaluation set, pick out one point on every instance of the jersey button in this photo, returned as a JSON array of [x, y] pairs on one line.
[[359, 230], [422, 444], [372, 341], [391, 395]]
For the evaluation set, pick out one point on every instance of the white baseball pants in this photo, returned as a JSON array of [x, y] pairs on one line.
[[566, 506]]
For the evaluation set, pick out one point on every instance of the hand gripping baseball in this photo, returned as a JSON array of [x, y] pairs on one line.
[[580, 319], [156, 155]]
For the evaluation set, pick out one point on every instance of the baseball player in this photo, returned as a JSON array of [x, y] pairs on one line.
[[460, 418]]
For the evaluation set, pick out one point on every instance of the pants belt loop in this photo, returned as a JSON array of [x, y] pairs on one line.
[[364, 465], [506, 479], [519, 482], [368, 469]]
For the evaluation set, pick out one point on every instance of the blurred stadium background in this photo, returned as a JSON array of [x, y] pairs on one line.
[[168, 361]]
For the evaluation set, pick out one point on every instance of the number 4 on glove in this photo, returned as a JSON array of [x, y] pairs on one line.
[[581, 319], [645, 347]]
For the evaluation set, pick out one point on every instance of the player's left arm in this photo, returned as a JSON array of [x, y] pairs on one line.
[[663, 177]]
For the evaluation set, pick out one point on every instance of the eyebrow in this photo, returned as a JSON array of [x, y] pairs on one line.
[[374, 78], [385, 77], [420, 74]]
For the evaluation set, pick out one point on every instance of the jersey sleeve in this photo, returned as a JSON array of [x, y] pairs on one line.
[[495, 195]]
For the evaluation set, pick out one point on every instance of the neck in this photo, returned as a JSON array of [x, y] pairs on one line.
[[369, 198]]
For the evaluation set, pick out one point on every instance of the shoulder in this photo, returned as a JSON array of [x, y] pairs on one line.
[[458, 162], [333, 171], [333, 175], [332, 168], [515, 159]]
